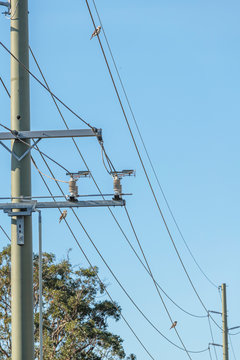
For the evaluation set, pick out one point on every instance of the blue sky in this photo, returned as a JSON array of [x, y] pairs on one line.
[[179, 61]]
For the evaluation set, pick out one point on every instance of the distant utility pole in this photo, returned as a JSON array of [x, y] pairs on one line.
[[224, 322], [21, 256]]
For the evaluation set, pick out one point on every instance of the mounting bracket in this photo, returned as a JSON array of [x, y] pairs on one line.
[[19, 158]]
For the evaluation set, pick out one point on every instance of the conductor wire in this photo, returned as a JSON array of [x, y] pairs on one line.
[[124, 290], [99, 190], [5, 87], [144, 169], [91, 266], [5, 233], [45, 87], [146, 151]]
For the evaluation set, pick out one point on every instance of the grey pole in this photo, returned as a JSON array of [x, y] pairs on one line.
[[224, 323], [21, 256]]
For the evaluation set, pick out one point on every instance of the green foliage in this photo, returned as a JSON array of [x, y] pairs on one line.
[[74, 320]]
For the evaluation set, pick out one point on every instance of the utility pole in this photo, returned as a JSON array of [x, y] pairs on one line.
[[21, 256], [224, 322]]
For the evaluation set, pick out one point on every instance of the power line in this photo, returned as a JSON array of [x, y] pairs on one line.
[[5, 87], [111, 167], [92, 267], [210, 327], [5, 233], [144, 169], [145, 148], [232, 348], [57, 98], [119, 283], [149, 272], [149, 269]]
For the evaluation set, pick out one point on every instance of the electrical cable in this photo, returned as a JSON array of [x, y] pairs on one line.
[[210, 355], [33, 147], [145, 171], [57, 98], [150, 272], [5, 233], [73, 211], [119, 283], [148, 268], [210, 327], [115, 219], [232, 348], [235, 334], [92, 267], [5, 87], [66, 182], [145, 148]]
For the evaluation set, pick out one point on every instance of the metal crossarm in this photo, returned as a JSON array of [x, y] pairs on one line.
[[48, 134]]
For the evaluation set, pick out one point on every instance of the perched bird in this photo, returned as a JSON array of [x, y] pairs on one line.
[[173, 325], [96, 32], [63, 215]]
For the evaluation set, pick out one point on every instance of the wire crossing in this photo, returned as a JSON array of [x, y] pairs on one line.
[[144, 169], [111, 167], [145, 148]]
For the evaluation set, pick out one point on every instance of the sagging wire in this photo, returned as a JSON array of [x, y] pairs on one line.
[[5, 87], [45, 87], [145, 148], [124, 290], [92, 267], [114, 217], [145, 171], [5, 233], [35, 165], [210, 327]]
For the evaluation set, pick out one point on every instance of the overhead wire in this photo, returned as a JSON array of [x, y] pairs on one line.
[[119, 283], [211, 332], [111, 166], [232, 348], [145, 148], [5, 233], [144, 169], [149, 269], [5, 87], [210, 355], [79, 220], [92, 267], [45, 87]]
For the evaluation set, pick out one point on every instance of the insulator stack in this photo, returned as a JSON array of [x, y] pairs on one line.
[[117, 187], [73, 188]]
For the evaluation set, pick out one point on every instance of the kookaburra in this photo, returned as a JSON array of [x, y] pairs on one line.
[[96, 32], [173, 325], [63, 215]]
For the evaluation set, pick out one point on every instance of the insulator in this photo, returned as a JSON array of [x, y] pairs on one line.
[[73, 188], [117, 187]]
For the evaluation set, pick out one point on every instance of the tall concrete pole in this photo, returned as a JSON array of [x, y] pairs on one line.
[[21, 256], [224, 323]]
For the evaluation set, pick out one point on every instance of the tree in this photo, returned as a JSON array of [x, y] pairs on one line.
[[75, 321]]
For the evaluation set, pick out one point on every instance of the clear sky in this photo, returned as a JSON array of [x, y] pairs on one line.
[[179, 61]]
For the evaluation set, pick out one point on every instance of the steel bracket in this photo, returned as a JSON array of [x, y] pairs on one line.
[[25, 210], [19, 158]]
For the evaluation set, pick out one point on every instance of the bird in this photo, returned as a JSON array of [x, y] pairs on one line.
[[173, 325], [96, 32], [63, 215]]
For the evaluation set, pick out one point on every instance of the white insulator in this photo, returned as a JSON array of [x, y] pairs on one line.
[[117, 187], [73, 188]]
